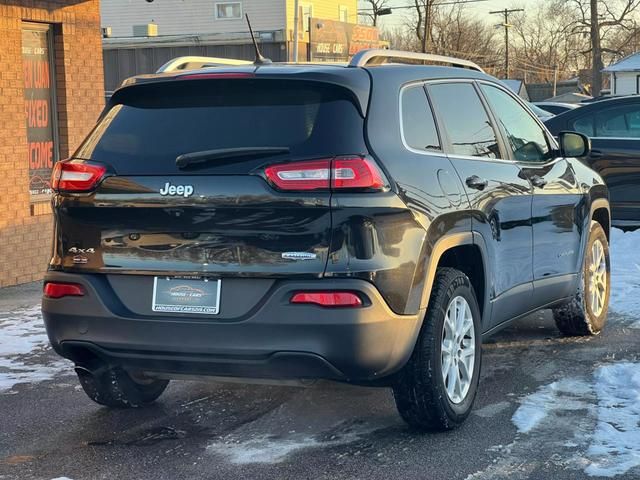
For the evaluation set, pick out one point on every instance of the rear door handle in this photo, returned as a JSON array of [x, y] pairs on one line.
[[476, 182], [538, 181]]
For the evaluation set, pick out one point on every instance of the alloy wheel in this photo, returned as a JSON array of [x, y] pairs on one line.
[[597, 279], [458, 349]]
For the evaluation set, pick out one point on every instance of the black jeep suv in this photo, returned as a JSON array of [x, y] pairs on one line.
[[368, 224]]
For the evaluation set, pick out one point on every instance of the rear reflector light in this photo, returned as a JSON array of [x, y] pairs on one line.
[[337, 173], [59, 290], [71, 176], [328, 299]]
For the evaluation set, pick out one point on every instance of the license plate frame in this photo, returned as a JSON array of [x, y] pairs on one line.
[[186, 295]]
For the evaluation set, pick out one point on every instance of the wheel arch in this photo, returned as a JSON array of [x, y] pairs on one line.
[[466, 252], [601, 213]]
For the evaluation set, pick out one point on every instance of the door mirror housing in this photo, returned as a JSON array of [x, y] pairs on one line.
[[574, 144]]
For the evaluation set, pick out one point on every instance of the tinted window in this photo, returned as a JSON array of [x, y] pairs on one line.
[[153, 124], [418, 125], [584, 125], [621, 122], [465, 120], [525, 137]]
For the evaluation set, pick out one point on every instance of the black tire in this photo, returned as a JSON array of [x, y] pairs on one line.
[[577, 317], [114, 387], [419, 390]]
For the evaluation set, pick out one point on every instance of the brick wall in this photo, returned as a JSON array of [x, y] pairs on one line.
[[26, 228]]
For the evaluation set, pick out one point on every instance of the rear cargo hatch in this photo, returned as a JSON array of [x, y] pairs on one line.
[[214, 212]]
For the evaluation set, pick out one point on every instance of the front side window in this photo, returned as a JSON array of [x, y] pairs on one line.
[[228, 11], [525, 137], [418, 125], [465, 120]]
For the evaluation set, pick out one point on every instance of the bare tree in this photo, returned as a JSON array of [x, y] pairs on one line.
[[544, 43], [455, 33], [372, 8], [604, 19]]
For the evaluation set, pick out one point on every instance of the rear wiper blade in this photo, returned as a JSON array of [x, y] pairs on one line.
[[195, 158]]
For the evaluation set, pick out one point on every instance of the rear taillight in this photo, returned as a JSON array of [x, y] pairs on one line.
[[336, 173], [328, 299], [72, 176], [59, 290]]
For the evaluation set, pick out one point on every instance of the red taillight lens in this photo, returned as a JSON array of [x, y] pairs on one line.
[[356, 173], [59, 290], [328, 299], [337, 173], [70, 176]]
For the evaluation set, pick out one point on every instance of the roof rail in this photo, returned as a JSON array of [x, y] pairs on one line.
[[193, 63], [380, 56]]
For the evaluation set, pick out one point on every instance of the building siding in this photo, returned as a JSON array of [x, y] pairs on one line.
[[625, 83], [327, 9], [179, 17]]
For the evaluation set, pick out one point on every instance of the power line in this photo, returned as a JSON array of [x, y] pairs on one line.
[[438, 4]]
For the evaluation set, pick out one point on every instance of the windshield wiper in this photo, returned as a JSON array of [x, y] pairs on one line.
[[196, 158]]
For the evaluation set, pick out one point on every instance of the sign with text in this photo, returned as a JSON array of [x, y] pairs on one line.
[[333, 41], [38, 107]]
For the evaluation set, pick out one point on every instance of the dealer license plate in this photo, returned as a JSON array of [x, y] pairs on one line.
[[186, 295]]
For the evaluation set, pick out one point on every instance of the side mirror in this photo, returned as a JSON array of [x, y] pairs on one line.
[[574, 144]]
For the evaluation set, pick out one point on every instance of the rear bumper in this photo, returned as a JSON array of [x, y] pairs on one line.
[[277, 340]]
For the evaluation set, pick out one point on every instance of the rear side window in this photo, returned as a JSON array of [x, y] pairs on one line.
[[151, 125], [620, 122], [418, 125], [465, 120]]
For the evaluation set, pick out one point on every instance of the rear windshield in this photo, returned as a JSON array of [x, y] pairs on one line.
[[151, 125]]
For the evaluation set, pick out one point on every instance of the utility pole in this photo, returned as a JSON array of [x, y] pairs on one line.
[[425, 32], [596, 51], [296, 19], [507, 26], [555, 80]]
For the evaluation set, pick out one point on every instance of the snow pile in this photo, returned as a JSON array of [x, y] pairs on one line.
[[612, 447], [615, 446], [625, 273], [22, 337], [567, 394]]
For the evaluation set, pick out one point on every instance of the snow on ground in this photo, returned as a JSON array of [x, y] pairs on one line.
[[270, 449], [625, 274], [612, 399], [564, 395], [615, 446], [22, 337]]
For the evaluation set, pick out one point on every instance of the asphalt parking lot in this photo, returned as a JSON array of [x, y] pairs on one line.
[[548, 408]]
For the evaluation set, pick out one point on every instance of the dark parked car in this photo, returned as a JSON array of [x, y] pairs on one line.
[[556, 108], [614, 128], [368, 224]]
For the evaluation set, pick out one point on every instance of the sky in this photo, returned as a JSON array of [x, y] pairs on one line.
[[478, 8]]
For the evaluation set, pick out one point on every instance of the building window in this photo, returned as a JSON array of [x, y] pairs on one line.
[[40, 108], [306, 12], [229, 11], [344, 14]]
